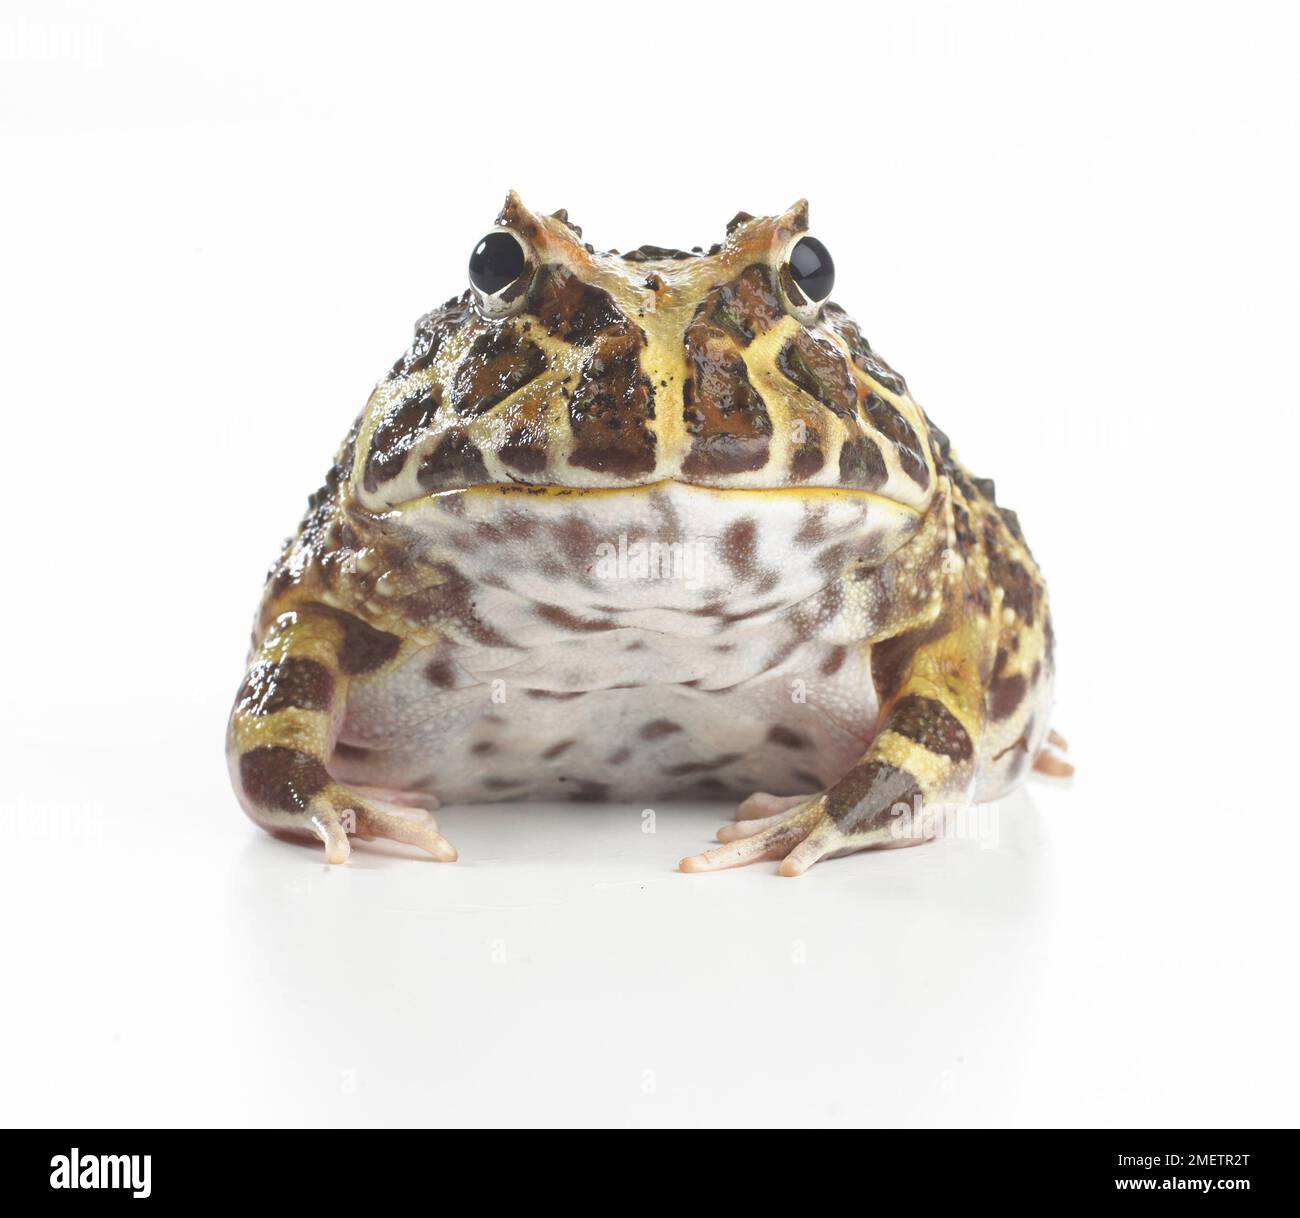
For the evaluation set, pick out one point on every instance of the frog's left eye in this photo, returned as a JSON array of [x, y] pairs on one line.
[[806, 276], [497, 261], [499, 271], [812, 269]]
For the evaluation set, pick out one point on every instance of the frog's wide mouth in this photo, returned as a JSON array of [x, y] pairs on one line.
[[667, 555], [729, 494]]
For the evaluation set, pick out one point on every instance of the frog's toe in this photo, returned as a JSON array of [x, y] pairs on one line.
[[762, 806], [780, 836], [1050, 760], [397, 822], [1050, 764], [340, 812], [734, 831], [328, 825]]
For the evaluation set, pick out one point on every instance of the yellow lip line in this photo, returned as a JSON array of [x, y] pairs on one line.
[[546, 490]]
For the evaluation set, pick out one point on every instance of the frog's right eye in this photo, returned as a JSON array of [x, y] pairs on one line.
[[498, 271]]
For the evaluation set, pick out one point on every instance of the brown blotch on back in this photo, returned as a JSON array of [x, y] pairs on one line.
[[747, 306], [292, 682], [1005, 693], [498, 362], [723, 412], [575, 310], [523, 451], [456, 462], [931, 725], [610, 410], [807, 458], [862, 465], [820, 371], [396, 433], [281, 779]]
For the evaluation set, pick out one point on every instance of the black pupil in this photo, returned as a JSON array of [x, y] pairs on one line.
[[497, 261], [812, 269]]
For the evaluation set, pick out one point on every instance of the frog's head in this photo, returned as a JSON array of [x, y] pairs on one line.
[[563, 367]]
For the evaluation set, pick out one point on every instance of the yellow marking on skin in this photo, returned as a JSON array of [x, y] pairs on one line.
[[291, 727], [788, 403], [301, 633], [931, 770], [948, 670]]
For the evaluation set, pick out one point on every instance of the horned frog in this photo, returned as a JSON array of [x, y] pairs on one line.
[[654, 524]]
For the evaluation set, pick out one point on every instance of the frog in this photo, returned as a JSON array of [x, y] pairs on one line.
[[654, 525]]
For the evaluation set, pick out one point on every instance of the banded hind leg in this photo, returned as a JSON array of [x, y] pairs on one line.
[[919, 769], [281, 737]]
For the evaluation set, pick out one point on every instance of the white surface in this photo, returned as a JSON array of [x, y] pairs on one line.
[[1076, 238]]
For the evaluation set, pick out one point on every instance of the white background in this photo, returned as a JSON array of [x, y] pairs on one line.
[[1074, 231]]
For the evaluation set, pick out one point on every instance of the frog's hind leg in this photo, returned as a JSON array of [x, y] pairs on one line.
[[281, 739], [920, 766], [919, 770]]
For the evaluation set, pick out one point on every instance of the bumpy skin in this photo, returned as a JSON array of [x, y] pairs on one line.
[[646, 524]]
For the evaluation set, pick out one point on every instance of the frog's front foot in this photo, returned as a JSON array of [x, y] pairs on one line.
[[919, 769], [399, 816], [798, 833], [337, 813], [282, 735], [1051, 762]]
